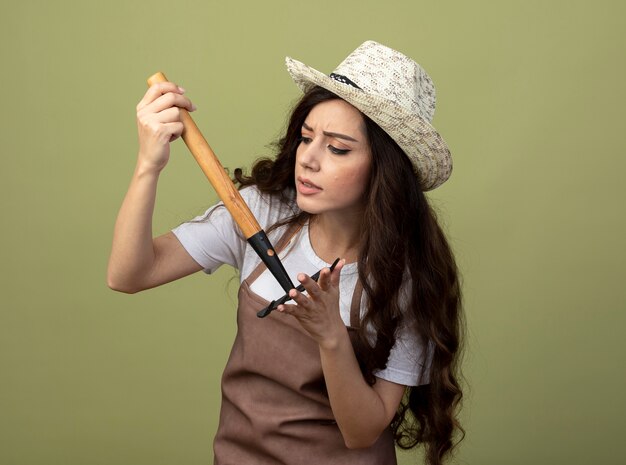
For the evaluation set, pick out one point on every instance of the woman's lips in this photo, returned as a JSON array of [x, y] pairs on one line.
[[306, 187]]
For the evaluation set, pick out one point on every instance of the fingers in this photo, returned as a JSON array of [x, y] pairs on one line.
[[159, 123], [169, 115], [175, 130], [328, 279], [170, 100], [164, 126], [289, 309], [327, 285], [299, 298], [159, 112], [336, 274], [156, 90], [310, 286], [324, 280], [164, 95]]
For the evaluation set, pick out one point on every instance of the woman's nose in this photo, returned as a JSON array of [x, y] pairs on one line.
[[309, 155]]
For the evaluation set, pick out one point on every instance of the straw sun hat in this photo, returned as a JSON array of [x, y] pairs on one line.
[[397, 94]]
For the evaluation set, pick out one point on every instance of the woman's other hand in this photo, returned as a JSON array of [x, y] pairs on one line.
[[318, 312]]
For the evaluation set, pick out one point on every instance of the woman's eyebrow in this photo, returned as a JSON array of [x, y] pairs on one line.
[[331, 134]]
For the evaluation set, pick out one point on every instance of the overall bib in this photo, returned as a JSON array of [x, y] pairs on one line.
[[275, 409]]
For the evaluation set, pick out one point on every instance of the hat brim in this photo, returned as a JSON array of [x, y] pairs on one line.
[[423, 145]]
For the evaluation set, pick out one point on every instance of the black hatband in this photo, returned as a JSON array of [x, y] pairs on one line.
[[343, 79]]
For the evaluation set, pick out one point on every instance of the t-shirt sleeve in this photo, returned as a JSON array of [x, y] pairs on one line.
[[409, 362], [410, 359], [214, 239]]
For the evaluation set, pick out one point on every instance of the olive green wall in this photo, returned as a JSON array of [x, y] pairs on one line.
[[531, 101]]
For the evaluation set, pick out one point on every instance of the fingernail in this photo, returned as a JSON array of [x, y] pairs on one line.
[[182, 89], [193, 107]]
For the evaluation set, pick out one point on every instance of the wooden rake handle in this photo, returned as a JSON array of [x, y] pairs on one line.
[[228, 193], [213, 170]]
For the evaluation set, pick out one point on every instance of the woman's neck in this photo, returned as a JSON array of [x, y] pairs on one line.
[[335, 236]]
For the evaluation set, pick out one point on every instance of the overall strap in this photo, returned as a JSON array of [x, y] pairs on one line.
[[355, 306]]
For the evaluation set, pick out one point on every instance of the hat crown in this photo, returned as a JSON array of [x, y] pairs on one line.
[[385, 72]]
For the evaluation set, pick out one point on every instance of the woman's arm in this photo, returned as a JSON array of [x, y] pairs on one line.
[[362, 411], [137, 261]]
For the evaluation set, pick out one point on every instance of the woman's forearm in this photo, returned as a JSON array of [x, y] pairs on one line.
[[361, 411], [132, 251]]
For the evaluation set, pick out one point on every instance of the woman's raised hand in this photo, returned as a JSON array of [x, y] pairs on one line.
[[318, 313], [158, 123]]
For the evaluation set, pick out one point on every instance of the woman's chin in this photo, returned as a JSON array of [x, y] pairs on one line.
[[307, 206]]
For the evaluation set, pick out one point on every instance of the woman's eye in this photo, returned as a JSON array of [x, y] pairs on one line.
[[337, 151], [305, 140]]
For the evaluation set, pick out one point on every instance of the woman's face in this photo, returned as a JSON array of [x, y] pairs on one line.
[[333, 160]]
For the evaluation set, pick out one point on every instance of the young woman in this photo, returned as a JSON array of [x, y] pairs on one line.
[[367, 357]]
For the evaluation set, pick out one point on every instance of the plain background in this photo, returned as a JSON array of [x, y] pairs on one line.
[[531, 101]]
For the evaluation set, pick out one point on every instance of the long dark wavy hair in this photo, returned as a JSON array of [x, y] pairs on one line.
[[402, 244]]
